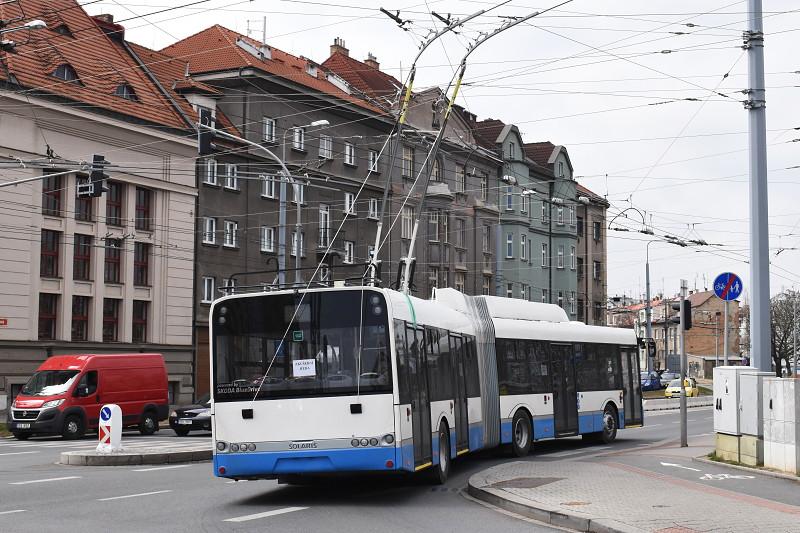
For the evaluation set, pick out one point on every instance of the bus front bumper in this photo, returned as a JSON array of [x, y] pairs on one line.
[[256, 464]]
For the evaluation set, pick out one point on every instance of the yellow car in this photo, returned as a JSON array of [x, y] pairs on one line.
[[674, 388]]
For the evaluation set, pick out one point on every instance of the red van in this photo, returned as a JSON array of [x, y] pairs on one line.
[[65, 394]]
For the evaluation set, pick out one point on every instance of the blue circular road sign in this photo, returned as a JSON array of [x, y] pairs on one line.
[[728, 286], [105, 413]]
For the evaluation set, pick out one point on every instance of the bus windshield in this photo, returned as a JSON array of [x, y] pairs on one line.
[[319, 355]]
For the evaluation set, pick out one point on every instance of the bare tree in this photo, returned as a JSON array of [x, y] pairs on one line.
[[782, 326]]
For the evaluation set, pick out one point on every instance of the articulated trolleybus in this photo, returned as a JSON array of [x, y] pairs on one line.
[[364, 379]]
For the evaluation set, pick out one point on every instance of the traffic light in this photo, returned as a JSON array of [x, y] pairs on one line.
[[205, 137], [95, 187], [686, 313]]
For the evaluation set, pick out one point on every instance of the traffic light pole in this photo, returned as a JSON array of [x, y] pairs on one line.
[[684, 439]]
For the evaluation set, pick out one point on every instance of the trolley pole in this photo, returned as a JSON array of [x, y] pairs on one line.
[[684, 440], [755, 104]]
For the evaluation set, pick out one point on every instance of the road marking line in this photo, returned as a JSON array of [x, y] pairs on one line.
[[14, 511], [44, 480], [17, 453], [265, 515], [160, 468], [132, 495], [576, 452]]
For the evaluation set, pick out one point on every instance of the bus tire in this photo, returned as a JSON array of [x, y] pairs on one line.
[[610, 424], [521, 434], [439, 472]]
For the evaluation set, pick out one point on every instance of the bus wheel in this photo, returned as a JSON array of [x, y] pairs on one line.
[[439, 473], [521, 434], [610, 422]]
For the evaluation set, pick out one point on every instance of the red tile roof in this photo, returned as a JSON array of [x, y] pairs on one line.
[[215, 50], [583, 191], [369, 80], [101, 63], [540, 152], [487, 131]]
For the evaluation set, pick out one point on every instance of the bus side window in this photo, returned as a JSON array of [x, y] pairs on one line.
[[402, 362], [443, 381], [539, 361], [470, 355]]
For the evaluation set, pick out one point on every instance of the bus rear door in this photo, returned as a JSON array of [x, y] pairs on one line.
[[565, 395], [631, 387], [420, 401], [457, 348]]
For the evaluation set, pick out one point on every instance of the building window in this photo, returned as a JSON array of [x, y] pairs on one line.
[[141, 264], [523, 241], [209, 230], [302, 243], [143, 208], [51, 196], [545, 258], [299, 192], [82, 258], [486, 240], [65, 72], [139, 321], [524, 288], [511, 151], [209, 171], [111, 271], [509, 246], [487, 285], [596, 270], [267, 239], [325, 147], [596, 230], [571, 215], [231, 176], [84, 207], [110, 319], [436, 175], [127, 92], [484, 188], [572, 302], [48, 313], [560, 258], [50, 247], [579, 228], [408, 162], [560, 169], [268, 134], [561, 299], [373, 161], [208, 290], [545, 296], [433, 228], [114, 199], [581, 309], [80, 318], [509, 198], [349, 203], [461, 231], [579, 262], [299, 138], [349, 154], [407, 222], [572, 258], [230, 237], [228, 286], [373, 208], [324, 225], [461, 179], [523, 203], [267, 186], [460, 281], [560, 215], [349, 251], [509, 290]]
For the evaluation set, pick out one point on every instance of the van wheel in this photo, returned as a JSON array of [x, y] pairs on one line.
[[439, 473], [73, 427], [149, 424], [521, 434], [21, 436]]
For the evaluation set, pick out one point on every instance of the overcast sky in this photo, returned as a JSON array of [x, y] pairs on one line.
[[607, 79]]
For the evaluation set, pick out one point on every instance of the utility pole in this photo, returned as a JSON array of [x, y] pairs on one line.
[[794, 333], [648, 312], [684, 440], [716, 339], [666, 333], [760, 355], [725, 333]]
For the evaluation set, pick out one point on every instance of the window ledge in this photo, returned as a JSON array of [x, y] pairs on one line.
[[351, 165], [233, 189], [209, 244], [214, 185], [230, 246], [299, 150]]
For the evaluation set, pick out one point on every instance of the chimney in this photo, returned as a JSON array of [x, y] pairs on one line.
[[372, 61], [105, 17], [338, 46]]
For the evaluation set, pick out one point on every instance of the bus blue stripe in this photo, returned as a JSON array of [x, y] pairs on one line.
[[308, 461], [543, 428]]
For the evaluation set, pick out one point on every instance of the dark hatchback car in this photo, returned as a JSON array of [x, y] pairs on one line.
[[195, 417]]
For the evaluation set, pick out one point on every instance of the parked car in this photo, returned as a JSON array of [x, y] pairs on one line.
[[65, 394], [195, 417], [674, 388], [650, 381]]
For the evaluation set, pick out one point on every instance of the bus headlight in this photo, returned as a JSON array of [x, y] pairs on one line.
[[234, 447], [365, 442], [388, 439], [251, 447], [221, 446], [354, 443], [373, 441]]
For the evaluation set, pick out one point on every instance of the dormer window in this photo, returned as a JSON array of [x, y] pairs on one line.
[[63, 30], [67, 73], [311, 69], [126, 91]]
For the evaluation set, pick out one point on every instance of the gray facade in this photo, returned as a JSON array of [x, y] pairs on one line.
[[592, 257]]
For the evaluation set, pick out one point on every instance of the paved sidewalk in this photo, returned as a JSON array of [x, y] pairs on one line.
[[607, 495]]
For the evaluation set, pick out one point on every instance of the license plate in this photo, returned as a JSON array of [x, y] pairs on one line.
[[184, 422], [23, 426]]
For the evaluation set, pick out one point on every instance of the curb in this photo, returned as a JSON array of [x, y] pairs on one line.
[[544, 513], [129, 459], [763, 472], [660, 404]]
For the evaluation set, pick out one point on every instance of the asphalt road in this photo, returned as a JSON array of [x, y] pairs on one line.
[[38, 495]]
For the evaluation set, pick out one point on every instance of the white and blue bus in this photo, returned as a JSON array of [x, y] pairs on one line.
[[363, 379]]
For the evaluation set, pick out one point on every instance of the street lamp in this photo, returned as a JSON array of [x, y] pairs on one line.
[[30, 25], [282, 213]]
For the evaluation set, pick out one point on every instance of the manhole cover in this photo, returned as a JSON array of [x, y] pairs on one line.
[[524, 482]]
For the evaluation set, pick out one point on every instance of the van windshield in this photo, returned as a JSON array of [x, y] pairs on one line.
[[49, 382]]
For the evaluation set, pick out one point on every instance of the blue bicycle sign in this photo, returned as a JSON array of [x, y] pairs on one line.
[[728, 286]]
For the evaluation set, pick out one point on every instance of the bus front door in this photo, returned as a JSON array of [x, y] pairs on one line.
[[457, 347], [565, 396], [420, 401], [631, 388]]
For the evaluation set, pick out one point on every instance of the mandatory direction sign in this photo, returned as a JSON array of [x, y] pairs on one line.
[[728, 286], [105, 414]]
